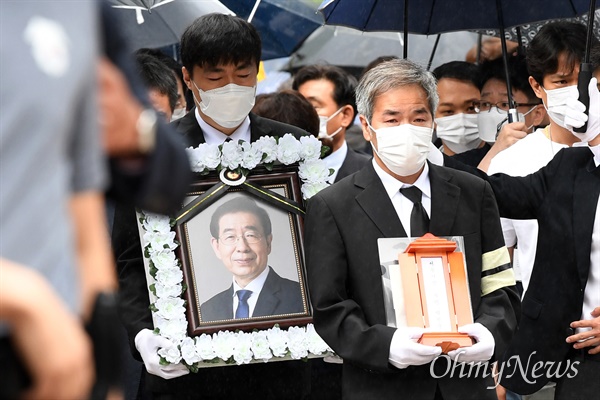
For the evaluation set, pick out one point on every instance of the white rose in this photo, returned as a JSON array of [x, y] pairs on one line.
[[288, 149], [188, 351], [313, 171], [278, 341], [211, 155], [204, 347], [175, 329], [160, 241], [316, 345], [231, 155], [164, 260], [251, 156], [170, 307], [310, 189], [223, 344], [171, 354], [196, 159], [169, 276], [297, 342], [164, 291], [311, 148], [260, 346], [266, 145], [242, 353], [156, 223]]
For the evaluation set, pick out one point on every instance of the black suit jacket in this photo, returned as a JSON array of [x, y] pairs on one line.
[[563, 197], [343, 223], [231, 382], [353, 162], [278, 296]]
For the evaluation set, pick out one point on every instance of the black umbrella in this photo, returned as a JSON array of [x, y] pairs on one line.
[[585, 71]]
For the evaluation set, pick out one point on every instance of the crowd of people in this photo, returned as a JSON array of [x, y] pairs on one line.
[[410, 152]]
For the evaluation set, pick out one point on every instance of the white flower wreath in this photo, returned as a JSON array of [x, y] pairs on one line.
[[165, 269]]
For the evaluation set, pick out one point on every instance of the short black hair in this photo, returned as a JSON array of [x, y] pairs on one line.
[[215, 39], [344, 83], [459, 70], [290, 107], [169, 61], [553, 40], [157, 76], [236, 205], [519, 77]]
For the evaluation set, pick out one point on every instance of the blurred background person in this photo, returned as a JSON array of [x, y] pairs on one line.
[[160, 82], [290, 107]]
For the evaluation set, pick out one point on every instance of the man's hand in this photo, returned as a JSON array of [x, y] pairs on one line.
[[575, 115], [148, 343], [509, 135], [591, 338], [483, 350], [50, 340], [405, 351]]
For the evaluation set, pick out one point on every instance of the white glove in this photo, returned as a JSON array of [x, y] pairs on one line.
[[575, 115], [148, 343], [405, 351], [483, 350]]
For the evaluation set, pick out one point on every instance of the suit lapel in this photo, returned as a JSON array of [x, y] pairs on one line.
[[444, 201], [376, 203], [585, 197], [268, 300], [258, 128], [190, 129]]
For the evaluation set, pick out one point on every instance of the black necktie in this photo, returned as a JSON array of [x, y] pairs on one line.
[[242, 308], [419, 221]]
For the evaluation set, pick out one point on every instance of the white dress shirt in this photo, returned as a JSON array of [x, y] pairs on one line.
[[255, 287], [335, 161], [214, 136]]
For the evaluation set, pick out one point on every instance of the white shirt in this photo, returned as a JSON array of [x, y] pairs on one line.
[[526, 156], [214, 136], [335, 161], [402, 204], [255, 287]]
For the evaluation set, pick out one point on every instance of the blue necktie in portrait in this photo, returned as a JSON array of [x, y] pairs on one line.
[[242, 308]]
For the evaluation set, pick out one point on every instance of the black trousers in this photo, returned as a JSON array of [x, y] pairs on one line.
[[586, 383]]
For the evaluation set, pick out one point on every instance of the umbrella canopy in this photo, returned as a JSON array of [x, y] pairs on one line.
[[159, 23], [282, 24]]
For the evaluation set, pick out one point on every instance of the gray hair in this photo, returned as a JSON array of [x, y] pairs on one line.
[[390, 75]]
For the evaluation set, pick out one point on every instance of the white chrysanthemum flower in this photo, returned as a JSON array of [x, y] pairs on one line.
[[315, 344], [188, 351], [297, 342], [164, 260], [204, 347], [310, 189], [313, 171], [267, 146], [169, 276], [156, 223], [171, 354], [242, 353], [311, 148], [288, 149], [175, 329], [210, 154], [224, 344], [278, 341], [251, 156], [160, 241], [260, 346], [164, 291], [231, 155], [196, 160], [170, 307]]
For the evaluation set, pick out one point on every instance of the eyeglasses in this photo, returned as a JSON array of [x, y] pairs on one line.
[[251, 237], [501, 105]]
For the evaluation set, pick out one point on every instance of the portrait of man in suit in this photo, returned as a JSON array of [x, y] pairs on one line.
[[241, 239]]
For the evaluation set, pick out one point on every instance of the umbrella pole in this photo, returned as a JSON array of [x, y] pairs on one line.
[[435, 45], [479, 40], [405, 47], [520, 49], [512, 112], [585, 70]]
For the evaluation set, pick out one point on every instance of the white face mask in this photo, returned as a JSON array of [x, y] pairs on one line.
[[178, 113], [490, 122], [323, 126], [557, 102], [229, 105], [459, 132], [403, 148]]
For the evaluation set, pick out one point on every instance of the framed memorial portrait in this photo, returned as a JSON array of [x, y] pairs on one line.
[[243, 234]]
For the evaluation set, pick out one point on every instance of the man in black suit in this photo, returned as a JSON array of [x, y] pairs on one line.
[[220, 54], [396, 101], [330, 90], [241, 239]]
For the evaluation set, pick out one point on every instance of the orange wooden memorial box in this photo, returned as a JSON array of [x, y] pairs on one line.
[[434, 282]]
